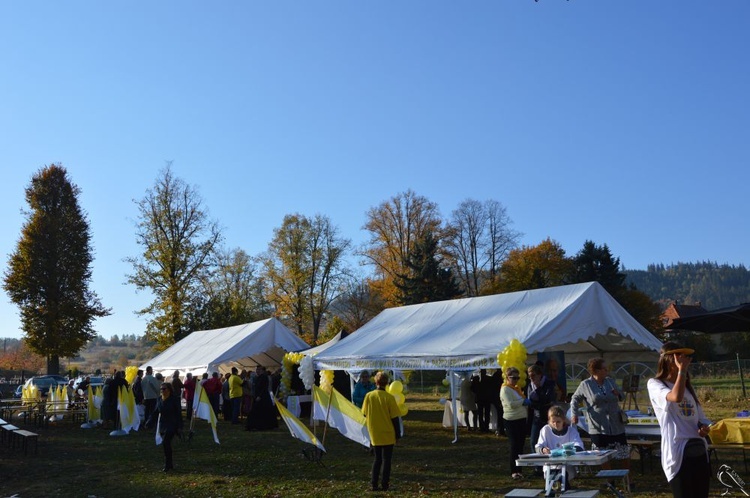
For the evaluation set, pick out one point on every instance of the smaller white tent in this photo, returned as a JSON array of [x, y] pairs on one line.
[[243, 346]]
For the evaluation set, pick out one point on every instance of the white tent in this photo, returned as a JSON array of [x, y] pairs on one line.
[[582, 319], [322, 347], [243, 346]]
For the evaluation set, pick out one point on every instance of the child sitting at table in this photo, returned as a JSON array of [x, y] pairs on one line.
[[553, 436]]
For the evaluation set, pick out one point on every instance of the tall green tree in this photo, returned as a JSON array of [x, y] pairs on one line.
[[232, 294], [178, 241], [49, 272], [305, 270], [427, 278], [595, 263]]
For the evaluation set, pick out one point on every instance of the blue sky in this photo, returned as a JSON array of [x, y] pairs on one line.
[[621, 122]]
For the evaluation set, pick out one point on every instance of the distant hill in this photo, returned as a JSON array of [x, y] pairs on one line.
[[712, 285]]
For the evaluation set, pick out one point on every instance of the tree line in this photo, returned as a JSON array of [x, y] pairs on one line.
[[310, 276]]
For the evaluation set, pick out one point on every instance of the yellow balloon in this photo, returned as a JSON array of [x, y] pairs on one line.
[[403, 409], [399, 398], [395, 387]]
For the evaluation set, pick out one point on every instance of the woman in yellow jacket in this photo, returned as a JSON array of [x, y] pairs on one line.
[[380, 410]]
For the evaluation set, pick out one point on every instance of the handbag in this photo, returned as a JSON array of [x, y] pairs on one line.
[[624, 417]]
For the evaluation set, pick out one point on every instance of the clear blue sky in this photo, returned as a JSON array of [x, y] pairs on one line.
[[621, 122]]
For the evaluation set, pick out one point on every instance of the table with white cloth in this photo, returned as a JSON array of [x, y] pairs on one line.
[[294, 403], [448, 416], [591, 457]]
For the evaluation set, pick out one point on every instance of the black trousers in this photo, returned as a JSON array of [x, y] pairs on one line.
[[516, 432], [167, 444], [692, 480], [484, 415], [148, 408], [383, 456]]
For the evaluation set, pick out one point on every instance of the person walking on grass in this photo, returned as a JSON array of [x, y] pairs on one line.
[[382, 414], [168, 417]]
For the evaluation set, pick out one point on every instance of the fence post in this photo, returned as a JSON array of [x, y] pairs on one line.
[[742, 377]]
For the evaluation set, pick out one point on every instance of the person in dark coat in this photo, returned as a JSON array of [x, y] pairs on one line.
[[263, 412], [485, 392], [541, 393], [114, 392], [168, 415]]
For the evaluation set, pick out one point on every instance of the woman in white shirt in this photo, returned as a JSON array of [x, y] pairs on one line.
[[684, 452], [514, 415]]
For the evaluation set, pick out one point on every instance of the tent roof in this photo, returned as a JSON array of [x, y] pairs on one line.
[[582, 319], [242, 346], [322, 347]]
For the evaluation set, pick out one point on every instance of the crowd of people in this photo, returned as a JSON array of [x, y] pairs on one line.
[[532, 411]]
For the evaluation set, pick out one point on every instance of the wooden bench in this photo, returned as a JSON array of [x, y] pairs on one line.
[[533, 493], [524, 493], [6, 433], [27, 436], [616, 474], [714, 454], [644, 447]]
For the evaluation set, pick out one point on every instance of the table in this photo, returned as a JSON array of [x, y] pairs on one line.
[[642, 426], [591, 457], [448, 416], [730, 430], [293, 403]]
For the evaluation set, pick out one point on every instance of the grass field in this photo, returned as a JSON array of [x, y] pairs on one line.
[[75, 462]]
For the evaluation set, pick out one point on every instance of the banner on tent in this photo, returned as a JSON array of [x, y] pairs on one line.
[[410, 363]]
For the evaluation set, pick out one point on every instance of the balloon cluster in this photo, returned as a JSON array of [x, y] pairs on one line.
[[514, 355], [287, 370], [326, 380], [131, 373], [396, 389], [307, 372]]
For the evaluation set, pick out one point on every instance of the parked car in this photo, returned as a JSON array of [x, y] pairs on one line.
[[44, 382], [93, 381]]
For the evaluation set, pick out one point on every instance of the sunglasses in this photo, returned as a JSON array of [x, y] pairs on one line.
[[514, 377], [163, 389]]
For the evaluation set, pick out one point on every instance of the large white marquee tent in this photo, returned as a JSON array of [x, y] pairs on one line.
[[583, 320], [243, 346]]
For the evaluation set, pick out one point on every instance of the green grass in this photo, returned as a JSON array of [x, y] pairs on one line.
[[75, 462]]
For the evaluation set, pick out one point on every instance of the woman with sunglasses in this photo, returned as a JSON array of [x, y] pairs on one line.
[[168, 412], [684, 453], [514, 417]]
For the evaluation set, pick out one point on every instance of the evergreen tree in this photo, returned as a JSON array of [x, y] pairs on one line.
[[427, 279], [48, 274], [596, 264]]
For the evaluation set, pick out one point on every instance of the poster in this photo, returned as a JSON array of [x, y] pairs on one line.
[[553, 365]]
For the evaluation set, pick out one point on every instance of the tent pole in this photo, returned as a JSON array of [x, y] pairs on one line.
[[742, 378], [453, 403]]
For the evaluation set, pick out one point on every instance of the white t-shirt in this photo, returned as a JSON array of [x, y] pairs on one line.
[[678, 423], [548, 439]]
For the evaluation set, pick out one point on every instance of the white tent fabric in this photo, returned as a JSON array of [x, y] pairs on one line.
[[582, 319], [322, 347], [243, 346]]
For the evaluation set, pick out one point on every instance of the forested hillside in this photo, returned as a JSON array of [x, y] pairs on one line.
[[713, 285]]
